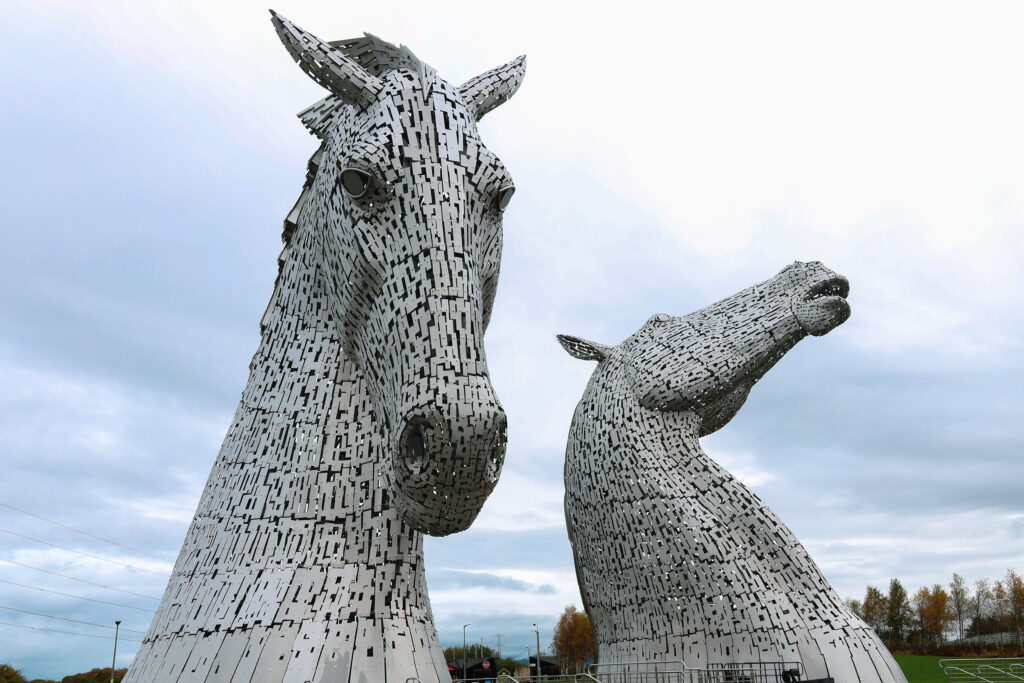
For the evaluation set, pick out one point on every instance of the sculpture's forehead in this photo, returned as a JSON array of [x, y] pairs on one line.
[[411, 100]]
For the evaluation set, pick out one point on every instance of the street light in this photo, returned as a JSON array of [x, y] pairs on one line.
[[537, 631], [464, 649], [113, 664]]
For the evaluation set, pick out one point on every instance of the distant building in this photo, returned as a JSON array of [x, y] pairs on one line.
[[475, 668], [549, 666]]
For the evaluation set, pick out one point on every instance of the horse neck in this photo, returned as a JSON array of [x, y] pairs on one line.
[[294, 525], [609, 403], [305, 430]]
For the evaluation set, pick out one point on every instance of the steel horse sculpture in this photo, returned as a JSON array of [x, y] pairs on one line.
[[369, 418], [675, 558]]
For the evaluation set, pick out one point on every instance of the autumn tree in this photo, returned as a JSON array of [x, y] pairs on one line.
[[933, 615], [8, 674], [958, 596], [873, 609], [897, 613], [1014, 586], [574, 639], [96, 676]]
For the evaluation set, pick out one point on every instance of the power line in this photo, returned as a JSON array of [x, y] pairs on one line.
[[79, 552], [77, 597], [77, 621], [69, 633], [72, 578], [41, 494], [79, 531]]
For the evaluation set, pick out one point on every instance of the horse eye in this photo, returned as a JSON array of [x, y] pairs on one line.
[[355, 182], [505, 196]]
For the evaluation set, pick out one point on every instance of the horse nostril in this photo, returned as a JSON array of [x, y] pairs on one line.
[[416, 441], [415, 450]]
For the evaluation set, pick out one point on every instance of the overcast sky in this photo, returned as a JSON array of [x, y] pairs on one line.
[[663, 159]]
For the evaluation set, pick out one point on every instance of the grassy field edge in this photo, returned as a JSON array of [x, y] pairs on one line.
[[921, 668]]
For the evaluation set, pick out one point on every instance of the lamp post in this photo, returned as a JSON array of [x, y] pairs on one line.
[[113, 664], [537, 631], [464, 649]]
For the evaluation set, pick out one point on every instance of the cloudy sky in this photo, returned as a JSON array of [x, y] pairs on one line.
[[663, 160]]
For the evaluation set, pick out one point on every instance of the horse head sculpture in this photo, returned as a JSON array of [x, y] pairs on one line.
[[675, 558], [707, 362], [369, 417], [405, 210]]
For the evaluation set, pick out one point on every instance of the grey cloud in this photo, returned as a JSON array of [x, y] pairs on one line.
[[476, 549], [450, 579]]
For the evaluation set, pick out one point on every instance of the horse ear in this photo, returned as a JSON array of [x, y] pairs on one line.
[[485, 92], [327, 65], [583, 349]]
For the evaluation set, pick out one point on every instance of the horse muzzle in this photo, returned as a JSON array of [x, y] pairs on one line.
[[447, 457]]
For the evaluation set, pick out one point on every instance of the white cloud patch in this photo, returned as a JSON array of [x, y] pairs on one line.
[[520, 503], [551, 592], [745, 467]]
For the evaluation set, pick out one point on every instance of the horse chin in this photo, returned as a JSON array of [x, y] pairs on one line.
[[821, 315], [431, 521]]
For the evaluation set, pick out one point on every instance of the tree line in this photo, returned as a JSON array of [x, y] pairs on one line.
[[952, 619], [8, 674]]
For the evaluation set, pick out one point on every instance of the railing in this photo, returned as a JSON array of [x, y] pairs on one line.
[[678, 672], [506, 678], [562, 678], [1006, 638], [983, 670], [670, 672]]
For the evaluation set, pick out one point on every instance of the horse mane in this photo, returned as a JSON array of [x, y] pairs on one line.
[[376, 56]]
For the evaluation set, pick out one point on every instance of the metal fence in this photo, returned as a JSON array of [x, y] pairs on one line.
[[990, 639], [560, 678], [983, 670], [667, 672], [679, 672]]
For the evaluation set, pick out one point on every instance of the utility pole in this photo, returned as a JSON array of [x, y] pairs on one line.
[[499, 645], [113, 664], [464, 650], [537, 631]]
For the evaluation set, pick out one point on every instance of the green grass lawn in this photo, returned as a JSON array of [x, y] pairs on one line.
[[921, 669]]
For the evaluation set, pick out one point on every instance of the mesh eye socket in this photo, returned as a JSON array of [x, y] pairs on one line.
[[355, 182], [505, 196]]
